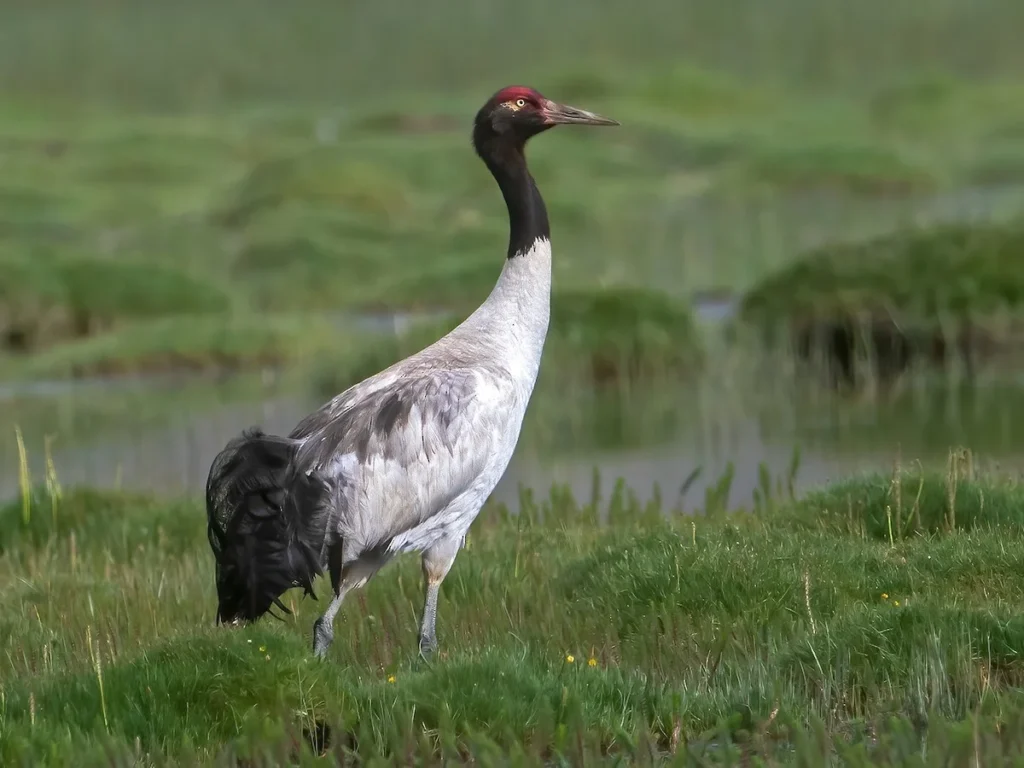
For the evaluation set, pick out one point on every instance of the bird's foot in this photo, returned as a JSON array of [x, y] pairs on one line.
[[323, 635], [428, 648]]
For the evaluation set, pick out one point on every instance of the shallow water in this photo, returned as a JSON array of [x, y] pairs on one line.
[[836, 436], [176, 457]]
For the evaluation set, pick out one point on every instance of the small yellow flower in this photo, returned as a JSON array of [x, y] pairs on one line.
[[391, 678], [570, 658], [592, 662], [263, 649], [896, 603], [885, 595]]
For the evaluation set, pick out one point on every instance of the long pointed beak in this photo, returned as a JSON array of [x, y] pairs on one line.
[[561, 114]]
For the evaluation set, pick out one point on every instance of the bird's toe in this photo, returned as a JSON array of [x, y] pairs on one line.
[[428, 648]]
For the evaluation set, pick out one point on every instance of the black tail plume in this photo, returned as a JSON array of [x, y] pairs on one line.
[[267, 519]]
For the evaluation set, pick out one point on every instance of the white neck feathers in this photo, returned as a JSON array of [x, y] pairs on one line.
[[516, 313]]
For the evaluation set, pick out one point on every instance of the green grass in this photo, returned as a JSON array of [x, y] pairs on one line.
[[51, 300], [187, 343], [331, 53], [926, 287], [572, 628], [917, 274]]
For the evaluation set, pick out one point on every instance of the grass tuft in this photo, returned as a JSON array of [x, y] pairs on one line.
[[926, 295], [920, 503], [184, 343], [125, 525]]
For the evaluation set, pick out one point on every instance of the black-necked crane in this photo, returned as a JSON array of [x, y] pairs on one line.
[[404, 460]]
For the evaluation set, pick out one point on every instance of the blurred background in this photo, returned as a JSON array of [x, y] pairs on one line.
[[801, 255]]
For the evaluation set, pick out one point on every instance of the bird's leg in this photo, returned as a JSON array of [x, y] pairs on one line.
[[323, 628], [436, 563]]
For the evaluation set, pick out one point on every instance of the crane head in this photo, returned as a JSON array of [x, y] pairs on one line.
[[517, 113]]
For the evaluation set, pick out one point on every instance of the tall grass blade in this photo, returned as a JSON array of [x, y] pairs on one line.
[[24, 479]]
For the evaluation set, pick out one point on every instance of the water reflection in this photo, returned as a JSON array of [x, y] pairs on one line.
[[170, 450]]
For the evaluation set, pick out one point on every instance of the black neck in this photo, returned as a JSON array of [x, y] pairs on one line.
[[527, 214]]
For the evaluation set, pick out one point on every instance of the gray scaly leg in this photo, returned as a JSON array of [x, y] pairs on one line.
[[355, 572], [437, 561], [323, 628]]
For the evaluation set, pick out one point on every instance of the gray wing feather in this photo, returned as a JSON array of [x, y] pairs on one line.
[[404, 445], [385, 421]]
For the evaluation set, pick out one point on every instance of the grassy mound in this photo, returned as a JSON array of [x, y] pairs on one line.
[[101, 292], [867, 169], [316, 269], [940, 106], [457, 281], [912, 294], [245, 679], [623, 335], [32, 304], [673, 580], [906, 503], [189, 343], [45, 300], [317, 178]]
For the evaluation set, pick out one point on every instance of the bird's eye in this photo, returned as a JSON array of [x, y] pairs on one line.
[[520, 103]]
